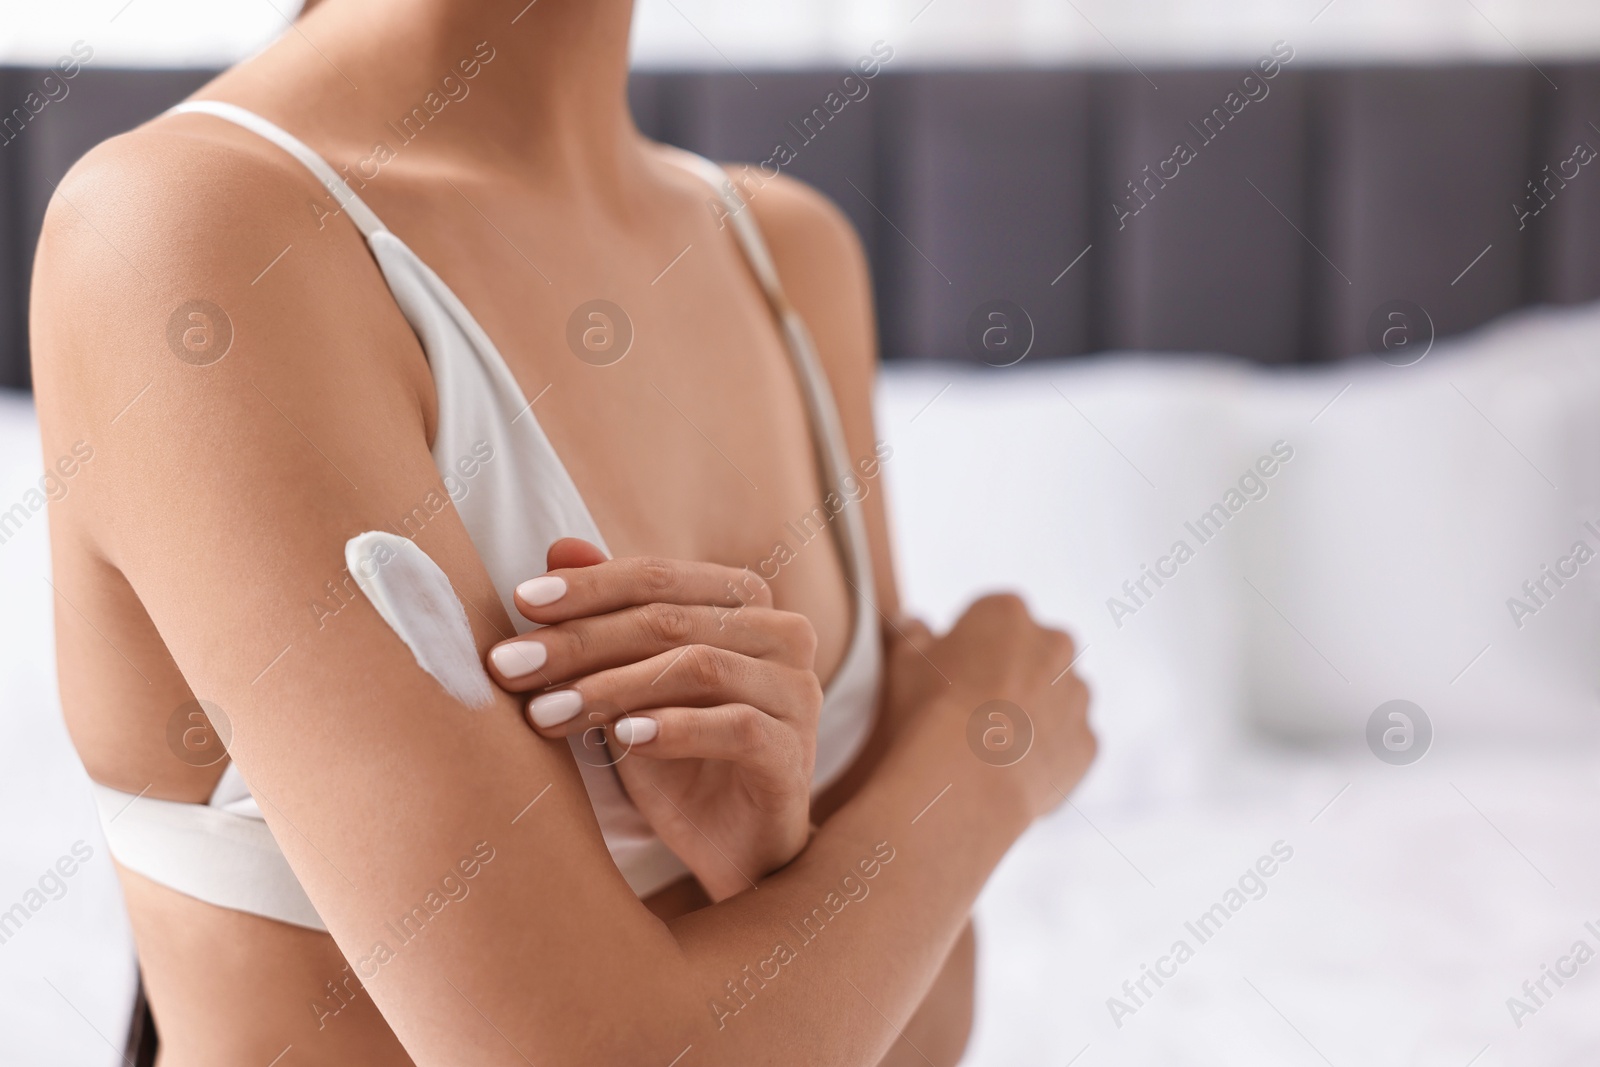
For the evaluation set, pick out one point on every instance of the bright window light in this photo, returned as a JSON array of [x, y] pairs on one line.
[[719, 34]]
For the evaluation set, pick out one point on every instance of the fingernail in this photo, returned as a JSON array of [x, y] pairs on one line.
[[545, 589], [516, 659], [635, 730], [553, 709]]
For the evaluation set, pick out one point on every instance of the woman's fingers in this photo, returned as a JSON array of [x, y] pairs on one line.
[[572, 552], [559, 653], [607, 586], [735, 732], [691, 676], [769, 753]]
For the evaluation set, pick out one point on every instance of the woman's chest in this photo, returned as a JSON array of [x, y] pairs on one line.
[[669, 406]]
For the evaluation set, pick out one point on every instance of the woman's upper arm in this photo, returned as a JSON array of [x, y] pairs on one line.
[[225, 492], [825, 275]]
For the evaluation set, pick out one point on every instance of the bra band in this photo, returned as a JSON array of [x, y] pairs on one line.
[[208, 853]]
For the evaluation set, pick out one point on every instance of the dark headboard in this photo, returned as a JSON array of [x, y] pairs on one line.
[[1339, 190]]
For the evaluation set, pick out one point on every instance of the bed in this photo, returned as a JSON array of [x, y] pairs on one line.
[[1414, 901]]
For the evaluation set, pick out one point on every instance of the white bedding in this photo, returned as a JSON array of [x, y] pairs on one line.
[[1392, 938], [1414, 904], [1417, 501]]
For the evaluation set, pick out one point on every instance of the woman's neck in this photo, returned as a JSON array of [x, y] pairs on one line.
[[551, 98]]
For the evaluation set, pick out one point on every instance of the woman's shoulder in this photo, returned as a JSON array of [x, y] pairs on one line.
[[171, 241], [193, 315], [172, 190]]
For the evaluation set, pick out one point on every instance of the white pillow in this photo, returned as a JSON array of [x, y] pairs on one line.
[[1377, 565], [1060, 480], [1418, 505]]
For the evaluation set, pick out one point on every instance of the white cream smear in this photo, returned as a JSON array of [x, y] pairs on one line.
[[414, 596]]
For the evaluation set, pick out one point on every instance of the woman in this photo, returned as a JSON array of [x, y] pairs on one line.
[[254, 315]]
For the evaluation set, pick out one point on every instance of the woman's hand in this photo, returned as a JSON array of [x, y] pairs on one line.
[[709, 692], [997, 684]]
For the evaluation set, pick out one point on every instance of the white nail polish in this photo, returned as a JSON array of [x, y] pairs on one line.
[[545, 589], [553, 709], [635, 730], [518, 658]]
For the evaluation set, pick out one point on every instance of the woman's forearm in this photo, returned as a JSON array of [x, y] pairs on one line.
[[828, 958]]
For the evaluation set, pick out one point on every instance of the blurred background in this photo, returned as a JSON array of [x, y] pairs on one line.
[[1303, 286]]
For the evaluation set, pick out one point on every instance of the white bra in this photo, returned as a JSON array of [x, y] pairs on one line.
[[517, 505]]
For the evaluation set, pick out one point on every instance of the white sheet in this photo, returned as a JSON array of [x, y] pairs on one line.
[[1391, 939]]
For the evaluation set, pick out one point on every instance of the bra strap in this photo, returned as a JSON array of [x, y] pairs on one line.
[[744, 224], [814, 380], [367, 222]]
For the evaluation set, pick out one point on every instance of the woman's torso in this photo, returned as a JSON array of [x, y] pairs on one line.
[[695, 445]]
